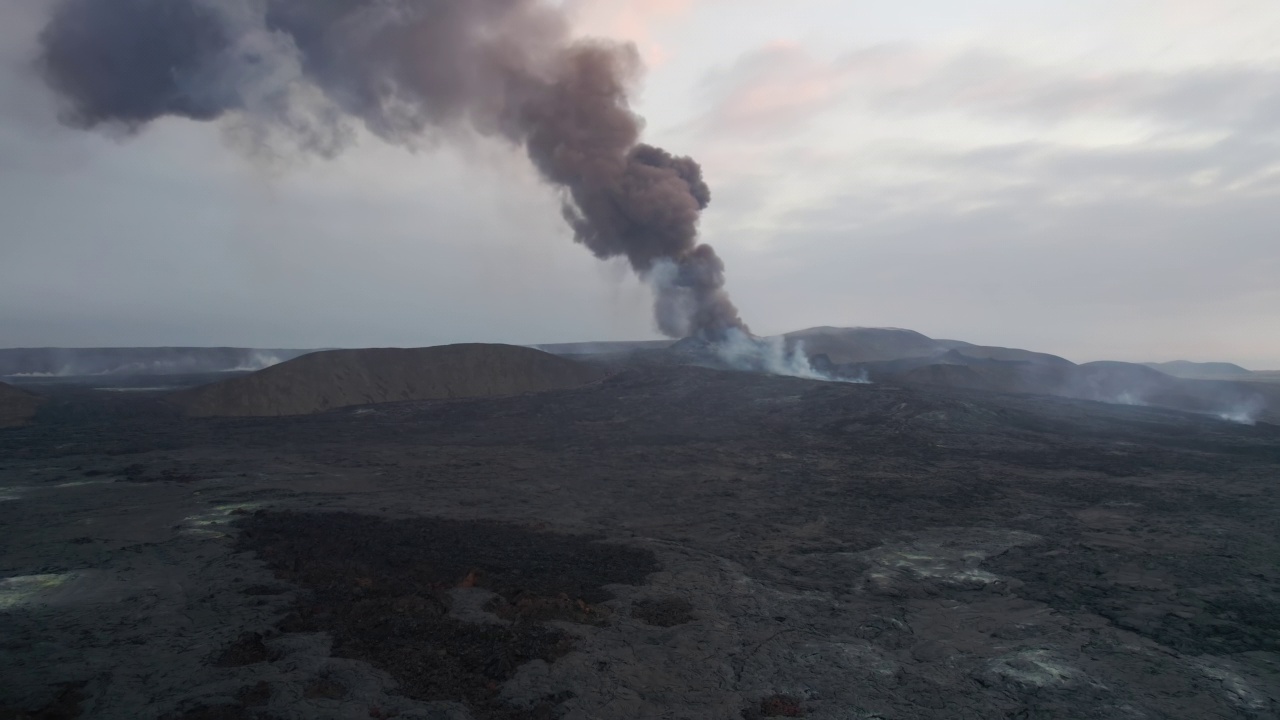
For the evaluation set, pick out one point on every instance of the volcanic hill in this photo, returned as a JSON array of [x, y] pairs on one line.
[[859, 345], [338, 378], [1202, 370]]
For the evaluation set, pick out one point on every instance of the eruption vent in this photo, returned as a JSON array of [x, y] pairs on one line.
[[307, 71]]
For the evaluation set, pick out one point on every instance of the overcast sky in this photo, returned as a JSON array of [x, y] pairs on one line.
[[1092, 178]]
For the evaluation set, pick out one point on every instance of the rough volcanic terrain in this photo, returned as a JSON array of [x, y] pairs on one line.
[[671, 542], [17, 406], [339, 378], [904, 356]]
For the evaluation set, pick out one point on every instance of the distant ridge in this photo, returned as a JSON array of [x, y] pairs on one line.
[[906, 356], [858, 345], [1207, 370], [137, 360], [339, 378], [981, 352], [606, 347]]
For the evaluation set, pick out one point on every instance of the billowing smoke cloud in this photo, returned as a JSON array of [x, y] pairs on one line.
[[771, 355], [306, 72]]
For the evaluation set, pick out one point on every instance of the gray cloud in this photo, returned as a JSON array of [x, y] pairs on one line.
[[1157, 246], [1237, 164], [778, 86], [1118, 279], [1090, 254], [1197, 98]]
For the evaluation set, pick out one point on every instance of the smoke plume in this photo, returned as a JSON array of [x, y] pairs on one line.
[[307, 72]]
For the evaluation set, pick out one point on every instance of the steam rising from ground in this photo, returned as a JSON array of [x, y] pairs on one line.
[[745, 352], [1241, 412], [1244, 413], [257, 360], [740, 350], [305, 73]]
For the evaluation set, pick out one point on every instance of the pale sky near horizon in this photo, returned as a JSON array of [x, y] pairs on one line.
[[1097, 180]]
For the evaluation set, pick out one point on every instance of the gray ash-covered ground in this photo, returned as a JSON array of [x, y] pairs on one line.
[[672, 542]]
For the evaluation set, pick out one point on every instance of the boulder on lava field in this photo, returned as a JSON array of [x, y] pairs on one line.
[[340, 378]]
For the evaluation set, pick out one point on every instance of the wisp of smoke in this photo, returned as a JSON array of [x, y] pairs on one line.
[[1126, 398], [257, 360], [307, 72], [1244, 413]]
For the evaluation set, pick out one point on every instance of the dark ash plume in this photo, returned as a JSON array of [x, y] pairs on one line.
[[408, 70], [132, 61]]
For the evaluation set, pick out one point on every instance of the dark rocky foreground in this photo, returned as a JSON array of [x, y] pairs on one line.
[[670, 543]]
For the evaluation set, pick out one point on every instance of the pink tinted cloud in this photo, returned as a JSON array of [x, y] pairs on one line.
[[779, 87], [630, 20]]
